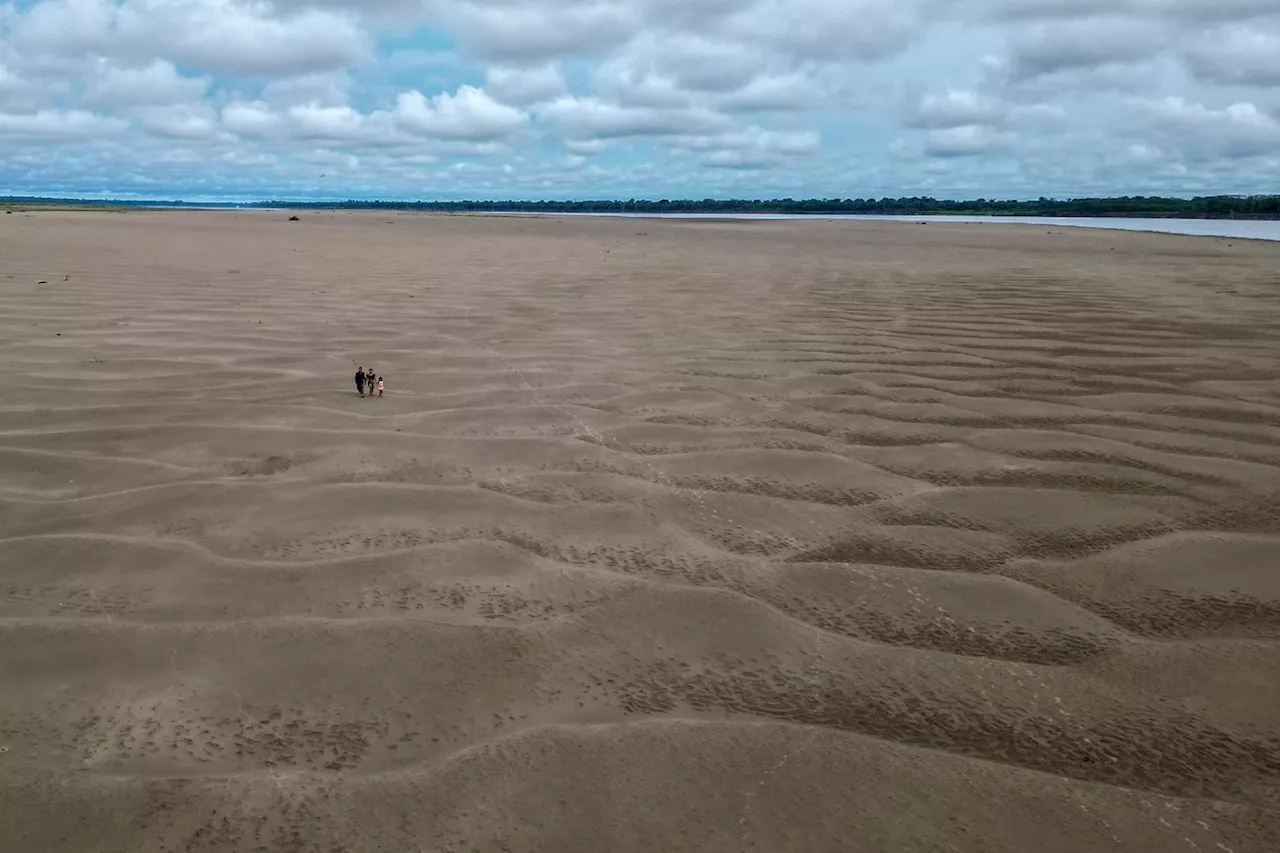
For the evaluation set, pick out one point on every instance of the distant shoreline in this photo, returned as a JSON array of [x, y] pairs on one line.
[[1241, 208], [1253, 228]]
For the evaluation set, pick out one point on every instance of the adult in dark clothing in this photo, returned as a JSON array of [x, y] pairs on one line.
[[369, 379], [360, 377]]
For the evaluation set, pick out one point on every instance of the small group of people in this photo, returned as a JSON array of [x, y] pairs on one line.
[[368, 380]]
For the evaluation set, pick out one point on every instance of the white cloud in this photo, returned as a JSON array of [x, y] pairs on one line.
[[630, 85], [64, 27], [251, 119], [966, 141], [229, 37], [1194, 11], [222, 36], [965, 123], [1041, 116], [1089, 43], [179, 121], [753, 148], [759, 139], [58, 124], [955, 108], [416, 59], [593, 118], [792, 91], [1235, 131], [469, 115], [673, 95], [17, 93], [522, 86], [1237, 55], [586, 147], [864, 29], [311, 121], [328, 89], [248, 159], [9, 82], [699, 62], [543, 29], [155, 84], [379, 10], [529, 32]]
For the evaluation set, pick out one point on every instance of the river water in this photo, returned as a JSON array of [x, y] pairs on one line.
[[1268, 229], [1262, 229]]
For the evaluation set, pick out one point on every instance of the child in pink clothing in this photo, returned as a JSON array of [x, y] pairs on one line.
[[379, 386]]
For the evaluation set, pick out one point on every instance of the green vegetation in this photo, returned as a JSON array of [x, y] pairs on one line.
[[22, 205], [1203, 207], [1211, 207]]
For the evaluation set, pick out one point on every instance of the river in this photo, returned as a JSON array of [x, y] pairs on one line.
[[1251, 229]]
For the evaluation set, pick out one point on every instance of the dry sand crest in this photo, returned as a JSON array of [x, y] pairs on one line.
[[668, 535]]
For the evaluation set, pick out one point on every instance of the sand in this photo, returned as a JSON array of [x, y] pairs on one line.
[[721, 536]]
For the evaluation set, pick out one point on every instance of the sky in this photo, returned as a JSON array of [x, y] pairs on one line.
[[567, 99]]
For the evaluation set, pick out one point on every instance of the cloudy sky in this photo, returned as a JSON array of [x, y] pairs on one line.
[[638, 98]]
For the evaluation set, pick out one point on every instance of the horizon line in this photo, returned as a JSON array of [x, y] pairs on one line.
[[334, 200]]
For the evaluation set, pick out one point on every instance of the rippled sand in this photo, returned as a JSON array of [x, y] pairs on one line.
[[667, 536]]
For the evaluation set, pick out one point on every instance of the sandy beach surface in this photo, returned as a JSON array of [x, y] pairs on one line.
[[716, 536]]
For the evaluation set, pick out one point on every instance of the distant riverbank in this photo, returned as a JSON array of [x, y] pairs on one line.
[[1244, 229], [1229, 207], [1205, 217]]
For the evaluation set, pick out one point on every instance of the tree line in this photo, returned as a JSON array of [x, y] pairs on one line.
[[1204, 207]]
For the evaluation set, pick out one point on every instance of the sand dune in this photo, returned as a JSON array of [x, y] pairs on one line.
[[667, 536]]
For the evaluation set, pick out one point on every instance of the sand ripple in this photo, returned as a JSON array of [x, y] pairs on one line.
[[731, 536]]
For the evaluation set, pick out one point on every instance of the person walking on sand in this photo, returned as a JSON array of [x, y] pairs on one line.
[[360, 377], [380, 386], [371, 379]]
